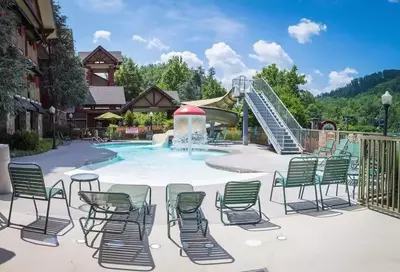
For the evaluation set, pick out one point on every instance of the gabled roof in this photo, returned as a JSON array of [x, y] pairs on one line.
[[105, 95], [115, 55], [172, 95]]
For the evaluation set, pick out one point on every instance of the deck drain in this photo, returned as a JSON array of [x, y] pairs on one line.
[[253, 243], [281, 238], [208, 245], [155, 246]]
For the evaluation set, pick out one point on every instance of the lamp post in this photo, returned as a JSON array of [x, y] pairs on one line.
[[386, 102], [151, 120], [52, 111], [70, 125]]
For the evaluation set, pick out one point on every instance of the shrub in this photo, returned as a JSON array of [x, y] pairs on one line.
[[5, 138], [232, 135], [169, 124], [25, 140]]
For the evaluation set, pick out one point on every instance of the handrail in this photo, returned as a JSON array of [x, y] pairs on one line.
[[98, 140], [290, 121], [274, 139]]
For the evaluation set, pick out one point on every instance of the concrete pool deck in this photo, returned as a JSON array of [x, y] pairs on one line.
[[341, 239]]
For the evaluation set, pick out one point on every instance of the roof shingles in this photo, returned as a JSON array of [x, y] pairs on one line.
[[105, 95]]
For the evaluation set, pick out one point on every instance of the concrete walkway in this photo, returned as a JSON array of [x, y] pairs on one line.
[[343, 239]]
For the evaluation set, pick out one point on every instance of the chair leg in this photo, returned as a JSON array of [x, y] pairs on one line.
[[47, 216], [70, 190], [322, 199], [69, 212], [284, 199], [299, 196], [327, 189], [98, 185], [272, 191], [337, 189], [348, 193], [316, 196], [11, 206], [302, 192], [36, 210]]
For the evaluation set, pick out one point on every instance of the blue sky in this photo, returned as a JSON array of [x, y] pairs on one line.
[[331, 41]]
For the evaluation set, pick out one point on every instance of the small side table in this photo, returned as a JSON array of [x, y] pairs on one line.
[[83, 177]]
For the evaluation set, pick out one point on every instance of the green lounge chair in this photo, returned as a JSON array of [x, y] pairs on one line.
[[325, 150], [335, 172], [27, 182], [301, 172], [340, 149], [354, 150], [184, 205], [64, 139], [239, 196], [121, 203]]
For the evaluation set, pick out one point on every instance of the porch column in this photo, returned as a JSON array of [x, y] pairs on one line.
[[111, 71], [245, 122]]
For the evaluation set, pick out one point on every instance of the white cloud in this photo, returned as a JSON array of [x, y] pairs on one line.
[[190, 58], [318, 72], [139, 39], [394, 1], [152, 43], [339, 79], [305, 29], [229, 63], [102, 6], [223, 26], [157, 44], [101, 34], [271, 52]]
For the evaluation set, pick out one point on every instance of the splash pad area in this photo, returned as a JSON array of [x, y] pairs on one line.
[[158, 165]]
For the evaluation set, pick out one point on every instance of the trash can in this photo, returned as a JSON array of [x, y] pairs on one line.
[[5, 183]]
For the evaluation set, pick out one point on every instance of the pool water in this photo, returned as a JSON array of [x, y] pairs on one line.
[[144, 164]]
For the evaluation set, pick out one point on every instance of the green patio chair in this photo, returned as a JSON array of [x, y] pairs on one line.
[[239, 196], [335, 172], [64, 139], [325, 150], [28, 182], [340, 149], [354, 150], [120, 204], [184, 205], [301, 172]]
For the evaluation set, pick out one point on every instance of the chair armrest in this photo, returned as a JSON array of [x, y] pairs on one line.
[[54, 185], [277, 172]]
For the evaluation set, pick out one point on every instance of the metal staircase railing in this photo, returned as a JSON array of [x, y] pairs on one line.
[[293, 127]]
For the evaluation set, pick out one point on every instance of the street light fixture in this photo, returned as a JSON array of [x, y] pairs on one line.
[[52, 111], [70, 124], [386, 102], [151, 120]]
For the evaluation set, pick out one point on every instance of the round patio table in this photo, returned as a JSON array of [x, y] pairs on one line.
[[83, 177]]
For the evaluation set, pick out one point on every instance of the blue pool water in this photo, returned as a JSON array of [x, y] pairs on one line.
[[157, 166]]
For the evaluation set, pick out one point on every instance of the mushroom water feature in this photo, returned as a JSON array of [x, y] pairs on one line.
[[189, 129]]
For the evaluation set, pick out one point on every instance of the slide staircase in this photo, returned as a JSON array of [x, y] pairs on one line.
[[282, 129]]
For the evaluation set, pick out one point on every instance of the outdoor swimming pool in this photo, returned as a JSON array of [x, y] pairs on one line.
[[145, 164]]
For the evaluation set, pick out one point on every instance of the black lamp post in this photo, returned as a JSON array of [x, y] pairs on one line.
[[151, 120], [386, 102], [52, 111], [70, 125]]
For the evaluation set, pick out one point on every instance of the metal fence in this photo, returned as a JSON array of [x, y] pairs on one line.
[[379, 174]]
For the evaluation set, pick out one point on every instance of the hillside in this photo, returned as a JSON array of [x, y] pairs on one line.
[[357, 106]]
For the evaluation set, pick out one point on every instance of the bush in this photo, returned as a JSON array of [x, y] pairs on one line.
[[25, 140], [232, 135], [169, 124], [6, 138]]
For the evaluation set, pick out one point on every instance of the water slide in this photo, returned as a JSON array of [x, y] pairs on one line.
[[161, 140]]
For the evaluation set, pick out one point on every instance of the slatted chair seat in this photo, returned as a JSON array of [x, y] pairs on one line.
[[184, 206], [301, 173], [28, 182], [239, 196]]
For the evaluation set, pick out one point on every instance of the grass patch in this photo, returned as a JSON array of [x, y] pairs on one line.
[[45, 145]]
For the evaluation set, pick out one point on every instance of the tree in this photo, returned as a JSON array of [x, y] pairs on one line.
[[212, 88], [152, 74], [130, 78], [14, 68], [64, 76], [177, 73], [191, 89]]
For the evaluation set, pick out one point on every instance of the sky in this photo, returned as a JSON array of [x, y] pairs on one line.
[[330, 41]]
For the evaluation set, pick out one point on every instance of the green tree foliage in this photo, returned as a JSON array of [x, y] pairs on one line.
[[14, 68], [286, 85], [357, 106], [191, 88], [129, 76], [129, 118], [152, 74], [64, 77], [211, 88], [177, 73]]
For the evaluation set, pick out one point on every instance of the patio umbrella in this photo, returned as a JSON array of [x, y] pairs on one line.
[[109, 116]]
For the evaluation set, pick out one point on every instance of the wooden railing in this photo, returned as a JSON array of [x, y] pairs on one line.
[[379, 174]]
